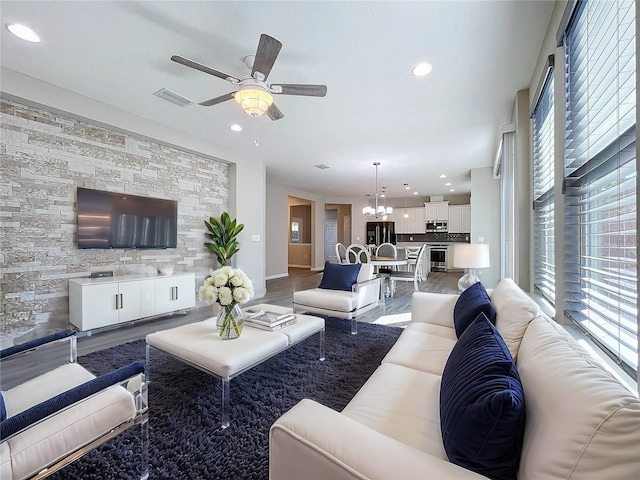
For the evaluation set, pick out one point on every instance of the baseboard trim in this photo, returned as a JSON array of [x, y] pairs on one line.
[[278, 275], [298, 266]]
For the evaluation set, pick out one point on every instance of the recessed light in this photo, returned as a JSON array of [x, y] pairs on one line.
[[421, 69], [407, 187], [443, 176], [448, 184], [415, 193], [452, 190], [23, 32], [235, 127]]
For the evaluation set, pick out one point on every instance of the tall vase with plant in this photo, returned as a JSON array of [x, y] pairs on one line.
[[223, 234]]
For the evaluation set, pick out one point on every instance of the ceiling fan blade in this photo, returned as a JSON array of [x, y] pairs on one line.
[[217, 100], [203, 68], [266, 54], [299, 89], [274, 112]]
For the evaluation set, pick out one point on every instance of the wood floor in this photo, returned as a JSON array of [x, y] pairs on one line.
[[394, 311]]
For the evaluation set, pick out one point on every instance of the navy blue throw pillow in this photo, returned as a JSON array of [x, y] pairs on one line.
[[470, 304], [3, 409], [482, 409], [339, 276]]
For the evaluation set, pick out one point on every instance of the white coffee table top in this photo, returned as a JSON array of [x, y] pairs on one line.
[[200, 345]]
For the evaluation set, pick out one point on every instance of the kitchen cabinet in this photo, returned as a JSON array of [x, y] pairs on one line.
[[450, 267], [101, 302], [436, 211], [460, 219], [413, 223]]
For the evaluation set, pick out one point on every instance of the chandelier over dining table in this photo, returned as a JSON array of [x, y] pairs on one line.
[[376, 210]]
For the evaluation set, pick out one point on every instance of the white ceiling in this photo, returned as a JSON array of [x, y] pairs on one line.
[[482, 53]]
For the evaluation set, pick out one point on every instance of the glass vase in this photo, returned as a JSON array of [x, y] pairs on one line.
[[229, 321]]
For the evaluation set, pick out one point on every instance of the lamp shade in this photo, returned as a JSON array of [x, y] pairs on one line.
[[471, 255], [254, 99]]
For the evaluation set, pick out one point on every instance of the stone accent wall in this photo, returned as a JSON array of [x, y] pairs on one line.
[[44, 158]]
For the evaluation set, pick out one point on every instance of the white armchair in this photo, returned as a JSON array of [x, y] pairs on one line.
[[54, 410], [341, 294]]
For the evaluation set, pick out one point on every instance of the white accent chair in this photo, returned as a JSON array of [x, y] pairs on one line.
[[364, 296], [357, 253], [415, 276], [341, 253], [57, 411]]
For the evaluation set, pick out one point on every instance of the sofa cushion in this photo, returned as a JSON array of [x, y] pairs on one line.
[[514, 311], [482, 411], [422, 348], [400, 403], [338, 276], [470, 304]]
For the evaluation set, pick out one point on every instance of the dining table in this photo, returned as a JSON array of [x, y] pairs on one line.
[[378, 261]]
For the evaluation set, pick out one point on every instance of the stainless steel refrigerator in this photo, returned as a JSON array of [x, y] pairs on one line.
[[380, 232]]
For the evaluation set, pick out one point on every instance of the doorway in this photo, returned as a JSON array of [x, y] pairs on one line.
[[300, 234], [337, 229]]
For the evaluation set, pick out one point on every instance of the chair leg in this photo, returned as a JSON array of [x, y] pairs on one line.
[[354, 326]]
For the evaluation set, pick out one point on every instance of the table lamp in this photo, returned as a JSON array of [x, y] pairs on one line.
[[470, 256]]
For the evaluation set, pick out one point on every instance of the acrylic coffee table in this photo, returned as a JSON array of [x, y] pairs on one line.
[[199, 345]]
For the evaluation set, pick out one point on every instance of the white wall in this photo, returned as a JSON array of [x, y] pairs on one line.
[[485, 220], [247, 200], [277, 226]]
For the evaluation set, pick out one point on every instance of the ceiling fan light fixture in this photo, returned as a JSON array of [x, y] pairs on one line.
[[254, 100]]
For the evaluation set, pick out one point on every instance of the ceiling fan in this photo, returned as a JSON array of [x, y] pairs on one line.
[[253, 93]]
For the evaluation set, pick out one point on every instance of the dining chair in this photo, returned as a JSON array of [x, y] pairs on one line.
[[412, 258], [414, 276], [386, 250], [341, 253], [357, 253]]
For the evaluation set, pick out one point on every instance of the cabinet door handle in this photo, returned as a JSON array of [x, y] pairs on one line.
[[176, 293], [121, 302], [117, 301]]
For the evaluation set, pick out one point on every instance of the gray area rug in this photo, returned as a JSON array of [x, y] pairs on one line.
[[186, 441]]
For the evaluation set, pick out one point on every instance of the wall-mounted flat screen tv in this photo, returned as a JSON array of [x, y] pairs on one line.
[[120, 220]]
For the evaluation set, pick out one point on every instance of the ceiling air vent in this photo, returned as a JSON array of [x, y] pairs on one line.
[[322, 166], [172, 97]]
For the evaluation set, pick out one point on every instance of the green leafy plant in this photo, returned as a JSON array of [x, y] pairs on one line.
[[223, 234]]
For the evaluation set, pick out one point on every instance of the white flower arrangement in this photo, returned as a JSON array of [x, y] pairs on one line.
[[226, 286], [229, 287]]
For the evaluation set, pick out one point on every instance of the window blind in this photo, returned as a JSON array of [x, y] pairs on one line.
[[543, 164], [600, 176]]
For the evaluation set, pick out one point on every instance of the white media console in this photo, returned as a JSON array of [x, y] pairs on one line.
[[101, 302]]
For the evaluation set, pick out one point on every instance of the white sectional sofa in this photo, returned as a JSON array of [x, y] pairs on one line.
[[581, 423]]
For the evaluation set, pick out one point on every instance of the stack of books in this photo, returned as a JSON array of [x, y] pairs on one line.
[[270, 321]]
